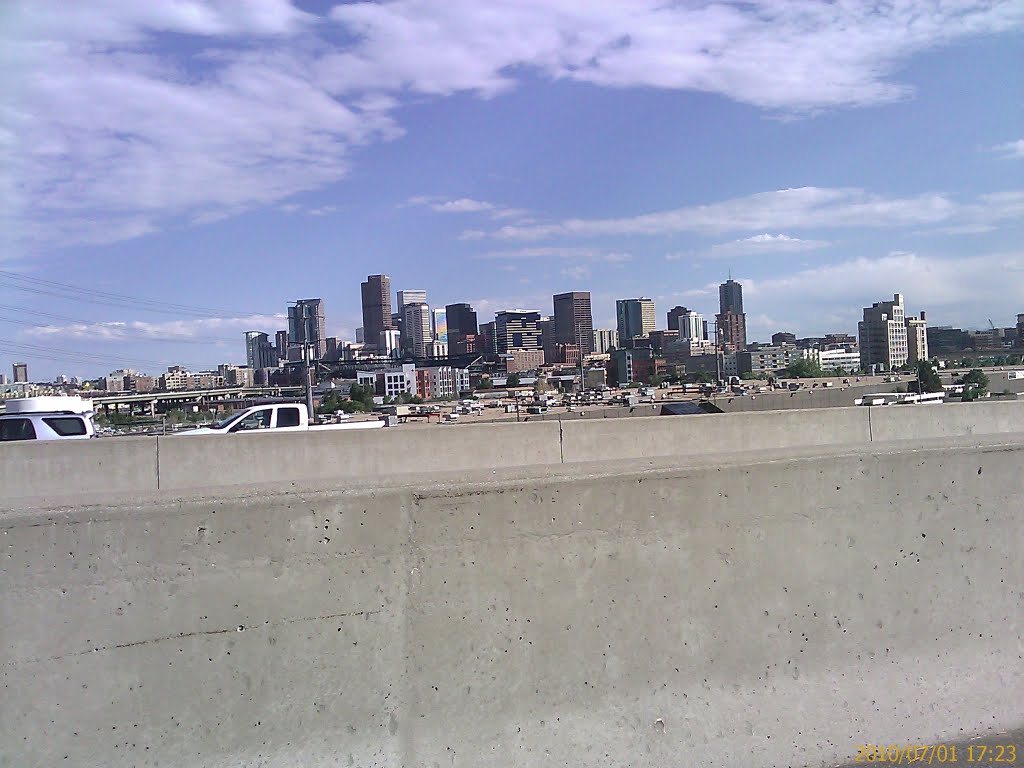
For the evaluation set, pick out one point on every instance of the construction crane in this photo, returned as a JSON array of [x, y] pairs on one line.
[[991, 324]]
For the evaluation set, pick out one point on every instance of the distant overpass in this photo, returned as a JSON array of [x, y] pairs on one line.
[[149, 401]]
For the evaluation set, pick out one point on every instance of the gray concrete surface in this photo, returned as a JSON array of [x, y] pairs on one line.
[[196, 462], [837, 396], [748, 609], [131, 465]]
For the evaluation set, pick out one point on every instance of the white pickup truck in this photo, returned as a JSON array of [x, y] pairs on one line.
[[287, 417]]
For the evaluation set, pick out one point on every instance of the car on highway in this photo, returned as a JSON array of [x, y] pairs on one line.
[[47, 418], [280, 417]]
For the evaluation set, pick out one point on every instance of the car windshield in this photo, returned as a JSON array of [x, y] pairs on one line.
[[224, 422]]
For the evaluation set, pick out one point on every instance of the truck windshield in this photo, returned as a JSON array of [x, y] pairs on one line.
[[224, 422]]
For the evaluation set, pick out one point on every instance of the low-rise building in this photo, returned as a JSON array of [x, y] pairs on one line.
[[724, 363], [517, 360], [882, 335], [660, 340], [137, 382], [637, 365], [917, 339], [236, 375], [176, 378], [435, 382], [846, 358], [680, 350], [766, 360], [390, 382]]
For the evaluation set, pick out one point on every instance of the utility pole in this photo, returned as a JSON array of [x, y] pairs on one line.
[[309, 383], [718, 356], [305, 360], [579, 344]]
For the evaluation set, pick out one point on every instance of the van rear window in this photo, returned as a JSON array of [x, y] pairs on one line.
[[16, 429], [66, 426]]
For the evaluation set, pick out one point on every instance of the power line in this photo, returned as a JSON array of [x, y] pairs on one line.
[[51, 353], [124, 334], [56, 289]]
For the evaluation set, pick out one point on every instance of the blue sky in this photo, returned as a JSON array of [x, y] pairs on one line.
[[215, 160]]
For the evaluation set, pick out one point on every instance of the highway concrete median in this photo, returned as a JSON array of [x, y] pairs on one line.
[[747, 609]]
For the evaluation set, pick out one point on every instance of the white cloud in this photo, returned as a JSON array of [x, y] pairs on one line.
[[557, 252], [804, 207], [126, 21], [468, 205], [764, 244], [103, 120], [444, 205], [960, 291], [462, 205], [1013, 150], [322, 210], [772, 53], [169, 330], [577, 272]]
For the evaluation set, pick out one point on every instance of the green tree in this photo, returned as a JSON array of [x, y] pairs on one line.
[[351, 406], [703, 377], [748, 376], [329, 403], [485, 383], [927, 378], [975, 383], [513, 380], [362, 394], [804, 368]]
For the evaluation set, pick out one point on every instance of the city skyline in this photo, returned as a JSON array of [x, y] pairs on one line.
[[257, 343], [499, 174]]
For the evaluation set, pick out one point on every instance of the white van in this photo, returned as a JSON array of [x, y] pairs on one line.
[[47, 418]]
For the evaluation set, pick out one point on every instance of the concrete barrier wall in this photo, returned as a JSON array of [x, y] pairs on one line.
[[930, 421], [757, 612], [70, 468], [712, 433], [197, 462], [808, 397]]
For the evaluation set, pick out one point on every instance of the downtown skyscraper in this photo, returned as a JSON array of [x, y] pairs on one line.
[[573, 322], [732, 321], [307, 324], [634, 318], [376, 301]]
